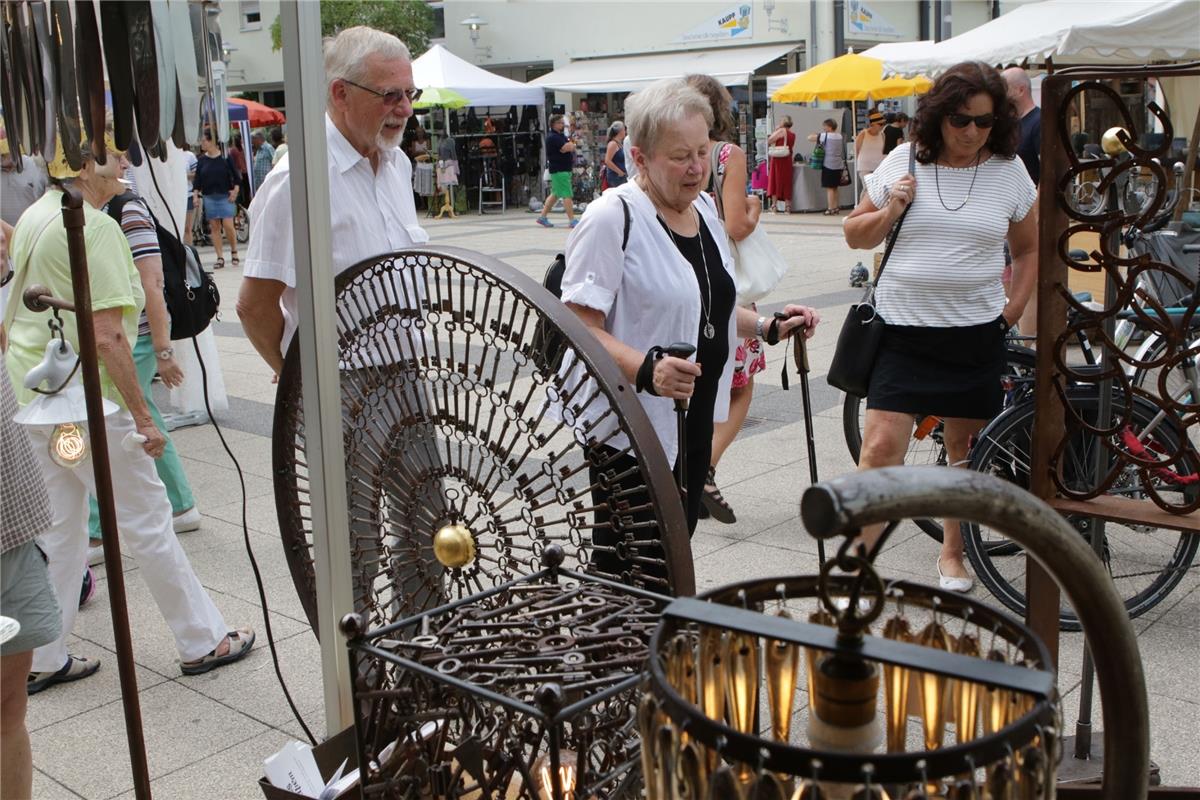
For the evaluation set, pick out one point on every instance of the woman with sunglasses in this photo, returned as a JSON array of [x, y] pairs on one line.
[[940, 293]]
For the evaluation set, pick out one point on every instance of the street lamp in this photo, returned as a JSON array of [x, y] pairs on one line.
[[474, 23]]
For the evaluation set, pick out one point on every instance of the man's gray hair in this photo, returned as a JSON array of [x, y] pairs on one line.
[[346, 54], [662, 104]]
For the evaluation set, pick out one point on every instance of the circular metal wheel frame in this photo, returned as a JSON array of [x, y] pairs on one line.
[[467, 449]]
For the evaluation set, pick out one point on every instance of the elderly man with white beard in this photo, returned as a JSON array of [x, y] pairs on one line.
[[369, 100]]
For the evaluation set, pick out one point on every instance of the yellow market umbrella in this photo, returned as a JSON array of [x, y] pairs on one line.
[[848, 77]]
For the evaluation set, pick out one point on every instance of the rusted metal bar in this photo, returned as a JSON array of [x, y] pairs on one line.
[[843, 506], [39, 298], [72, 205]]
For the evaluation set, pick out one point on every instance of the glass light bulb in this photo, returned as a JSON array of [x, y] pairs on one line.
[[567, 769], [68, 445]]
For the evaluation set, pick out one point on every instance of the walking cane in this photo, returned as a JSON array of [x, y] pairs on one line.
[[681, 350], [800, 355]]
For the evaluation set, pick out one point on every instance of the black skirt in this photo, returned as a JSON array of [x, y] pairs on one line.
[[831, 178], [946, 372]]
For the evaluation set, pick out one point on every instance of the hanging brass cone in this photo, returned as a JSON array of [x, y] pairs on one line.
[[809, 789], [896, 681], [818, 617], [725, 785], [1000, 783], [691, 772], [933, 688], [681, 667], [668, 752], [966, 695], [963, 789], [995, 702], [714, 657], [768, 787], [1032, 779], [741, 681], [783, 670], [647, 725]]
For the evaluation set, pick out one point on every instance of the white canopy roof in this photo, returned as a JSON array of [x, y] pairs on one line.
[[730, 65], [440, 68], [1068, 31]]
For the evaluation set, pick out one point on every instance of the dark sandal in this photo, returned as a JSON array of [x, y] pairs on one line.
[[233, 259], [240, 642], [220, 264], [76, 668], [713, 502]]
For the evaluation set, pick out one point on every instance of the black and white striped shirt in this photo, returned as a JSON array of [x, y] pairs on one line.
[[946, 266]]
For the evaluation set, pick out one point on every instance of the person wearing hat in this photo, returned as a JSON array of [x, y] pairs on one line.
[[868, 145]]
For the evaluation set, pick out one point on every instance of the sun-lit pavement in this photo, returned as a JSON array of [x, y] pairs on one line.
[[206, 736]]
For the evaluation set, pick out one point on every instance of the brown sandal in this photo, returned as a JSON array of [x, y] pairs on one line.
[[220, 264], [233, 259]]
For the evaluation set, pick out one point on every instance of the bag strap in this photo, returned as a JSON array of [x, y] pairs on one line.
[[18, 280], [628, 223], [718, 181], [912, 165]]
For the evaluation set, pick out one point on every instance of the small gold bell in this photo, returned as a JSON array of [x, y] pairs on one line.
[[454, 546], [1109, 142]]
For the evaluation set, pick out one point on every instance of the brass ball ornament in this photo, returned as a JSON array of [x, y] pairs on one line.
[[1110, 142], [454, 546]]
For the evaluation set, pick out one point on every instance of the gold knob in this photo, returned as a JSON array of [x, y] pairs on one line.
[[454, 546], [1109, 142]]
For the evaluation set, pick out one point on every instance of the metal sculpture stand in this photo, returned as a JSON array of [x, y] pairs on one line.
[[35, 300]]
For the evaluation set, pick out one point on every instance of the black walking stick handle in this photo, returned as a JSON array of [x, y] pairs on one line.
[[680, 350]]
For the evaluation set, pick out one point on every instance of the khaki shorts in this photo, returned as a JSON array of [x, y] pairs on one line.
[[27, 596]]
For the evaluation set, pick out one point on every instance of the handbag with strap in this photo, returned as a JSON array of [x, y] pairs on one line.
[[779, 151], [858, 342], [758, 264], [816, 159]]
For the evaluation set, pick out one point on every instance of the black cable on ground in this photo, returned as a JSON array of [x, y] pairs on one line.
[[262, 594]]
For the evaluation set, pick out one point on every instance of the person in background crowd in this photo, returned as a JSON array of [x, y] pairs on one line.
[[672, 282], [947, 312], [627, 152], [560, 160], [264, 157], [868, 145], [237, 153], [832, 166], [26, 594], [279, 142], [739, 214], [895, 132], [217, 181], [614, 156], [1030, 147], [190, 221], [779, 181], [39, 250], [19, 190]]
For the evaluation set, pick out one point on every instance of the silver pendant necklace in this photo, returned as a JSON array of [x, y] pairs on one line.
[[709, 329], [970, 188]]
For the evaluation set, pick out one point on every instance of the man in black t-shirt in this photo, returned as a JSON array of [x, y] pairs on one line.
[[1030, 115], [560, 159], [895, 132]]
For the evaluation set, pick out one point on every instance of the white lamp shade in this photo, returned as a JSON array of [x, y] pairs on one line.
[[69, 405]]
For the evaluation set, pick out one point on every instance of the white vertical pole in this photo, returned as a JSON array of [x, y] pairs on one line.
[[304, 81]]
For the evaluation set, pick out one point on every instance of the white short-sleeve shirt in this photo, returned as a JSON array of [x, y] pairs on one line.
[[371, 213], [946, 266], [648, 294]]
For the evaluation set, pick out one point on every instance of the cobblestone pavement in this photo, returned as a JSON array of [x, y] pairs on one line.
[[207, 735]]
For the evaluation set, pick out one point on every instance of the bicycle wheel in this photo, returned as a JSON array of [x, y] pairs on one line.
[[1175, 383], [1145, 563], [925, 446], [241, 225]]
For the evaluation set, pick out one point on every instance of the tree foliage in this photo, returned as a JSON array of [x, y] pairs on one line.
[[409, 20]]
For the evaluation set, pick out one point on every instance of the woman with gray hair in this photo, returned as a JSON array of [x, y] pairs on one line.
[[649, 266], [615, 173]]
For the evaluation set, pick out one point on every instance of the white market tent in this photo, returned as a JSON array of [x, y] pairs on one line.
[[440, 68], [732, 66], [1065, 31]]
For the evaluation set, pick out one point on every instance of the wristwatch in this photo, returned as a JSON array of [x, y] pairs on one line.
[[165, 353], [758, 327]]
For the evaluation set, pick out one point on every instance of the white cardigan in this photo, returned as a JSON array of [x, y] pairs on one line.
[[648, 294]]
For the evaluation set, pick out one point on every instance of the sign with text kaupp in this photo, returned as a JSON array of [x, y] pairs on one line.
[[735, 22], [865, 20]]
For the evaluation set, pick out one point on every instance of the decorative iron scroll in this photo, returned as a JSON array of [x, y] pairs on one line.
[[469, 449], [1115, 196]]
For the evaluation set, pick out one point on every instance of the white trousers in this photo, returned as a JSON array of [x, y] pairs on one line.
[[147, 535]]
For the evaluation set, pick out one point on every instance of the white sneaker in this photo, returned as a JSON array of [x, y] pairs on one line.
[[95, 555], [187, 520]]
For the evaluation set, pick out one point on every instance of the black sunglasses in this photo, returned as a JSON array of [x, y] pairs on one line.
[[390, 98], [963, 120]]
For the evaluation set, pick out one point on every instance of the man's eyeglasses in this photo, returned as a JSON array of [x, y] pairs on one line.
[[963, 120], [390, 98]]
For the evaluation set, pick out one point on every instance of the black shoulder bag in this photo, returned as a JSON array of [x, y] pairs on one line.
[[858, 342]]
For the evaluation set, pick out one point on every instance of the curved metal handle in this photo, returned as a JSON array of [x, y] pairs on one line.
[[844, 505]]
